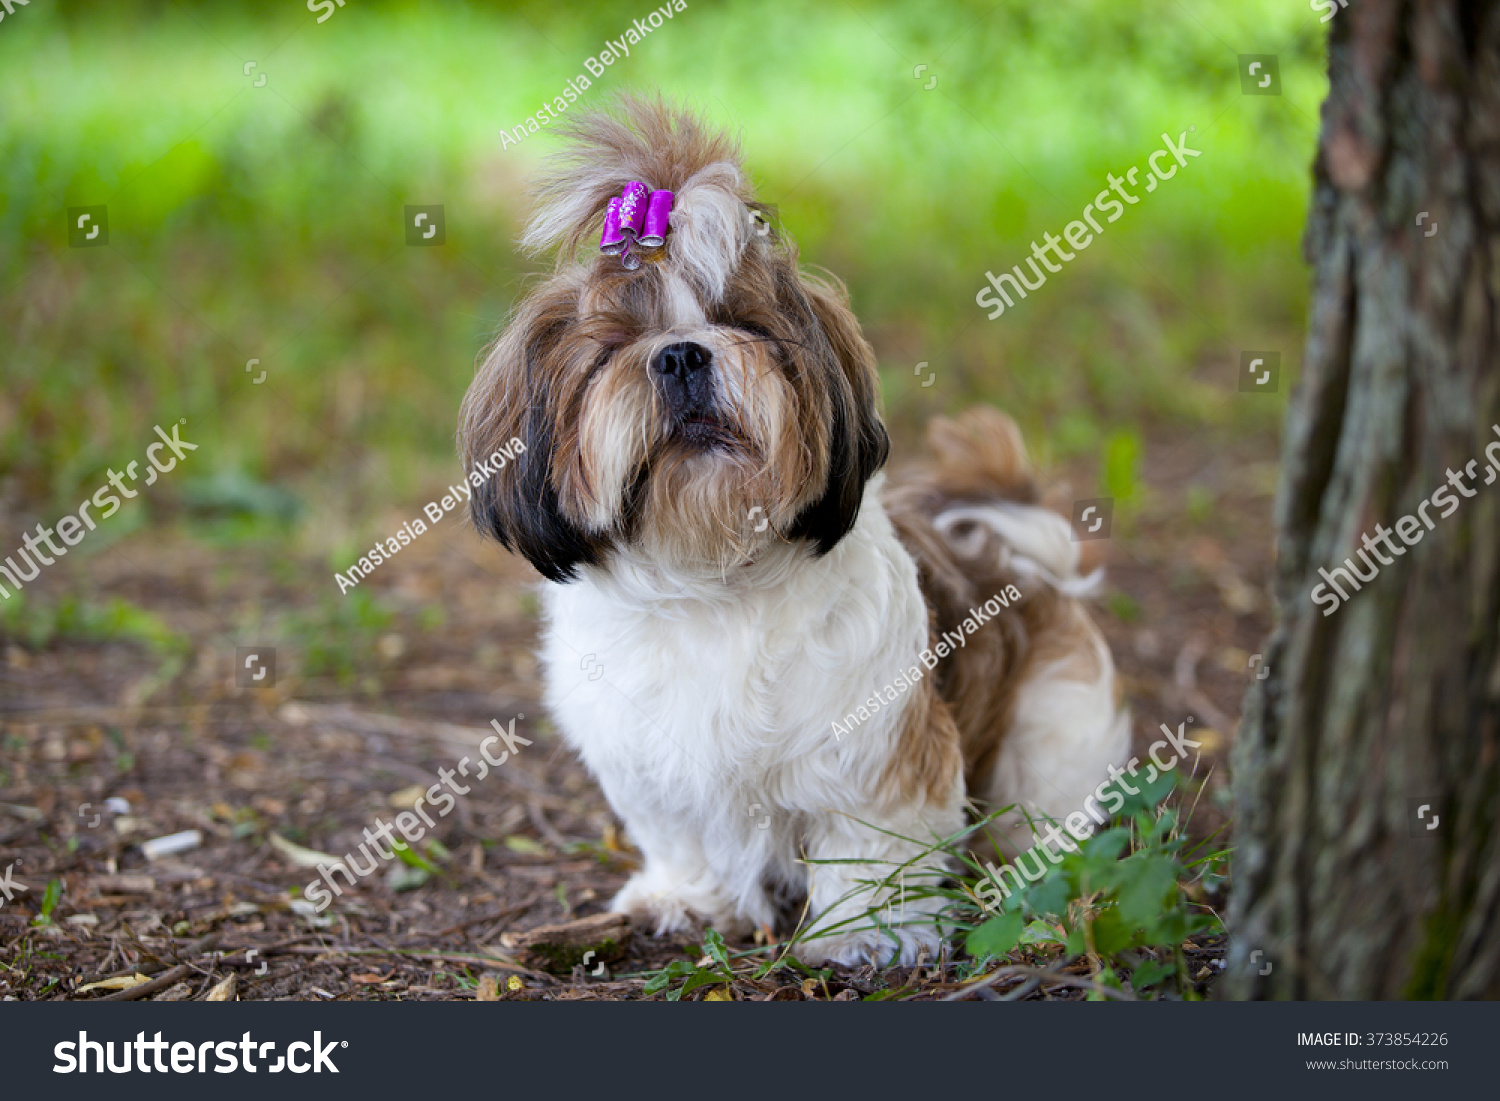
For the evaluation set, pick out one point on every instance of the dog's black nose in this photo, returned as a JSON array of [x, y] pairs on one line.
[[681, 360]]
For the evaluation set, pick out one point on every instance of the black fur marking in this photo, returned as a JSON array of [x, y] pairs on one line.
[[519, 508], [853, 459]]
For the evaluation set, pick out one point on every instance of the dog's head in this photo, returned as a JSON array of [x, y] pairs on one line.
[[695, 409]]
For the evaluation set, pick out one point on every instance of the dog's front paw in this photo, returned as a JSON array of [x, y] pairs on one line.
[[661, 913], [674, 910], [884, 947]]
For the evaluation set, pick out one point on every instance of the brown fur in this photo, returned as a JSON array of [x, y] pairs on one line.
[[979, 457], [929, 755]]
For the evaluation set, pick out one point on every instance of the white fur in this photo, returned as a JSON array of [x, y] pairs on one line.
[[710, 227], [684, 310], [1064, 734], [1037, 542], [615, 440], [719, 695]]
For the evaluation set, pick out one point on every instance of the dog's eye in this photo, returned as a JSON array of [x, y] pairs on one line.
[[606, 353]]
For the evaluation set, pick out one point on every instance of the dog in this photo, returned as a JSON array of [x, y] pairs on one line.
[[730, 577]]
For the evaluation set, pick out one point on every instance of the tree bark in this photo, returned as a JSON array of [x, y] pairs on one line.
[[1390, 702]]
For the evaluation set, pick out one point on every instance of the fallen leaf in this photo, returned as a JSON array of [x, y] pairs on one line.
[[300, 855], [612, 841], [223, 991], [1238, 597], [122, 982], [1234, 660], [719, 994], [369, 978], [406, 798], [1212, 741], [267, 805], [489, 989]]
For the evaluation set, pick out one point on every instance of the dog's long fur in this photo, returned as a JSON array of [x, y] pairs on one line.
[[731, 576]]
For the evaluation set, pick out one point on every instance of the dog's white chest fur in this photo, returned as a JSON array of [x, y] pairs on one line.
[[706, 709]]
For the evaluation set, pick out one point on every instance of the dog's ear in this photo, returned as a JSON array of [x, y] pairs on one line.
[[857, 439], [510, 403]]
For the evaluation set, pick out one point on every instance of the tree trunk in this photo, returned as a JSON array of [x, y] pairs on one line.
[[1389, 703]]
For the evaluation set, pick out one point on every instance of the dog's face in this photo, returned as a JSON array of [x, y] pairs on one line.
[[697, 409]]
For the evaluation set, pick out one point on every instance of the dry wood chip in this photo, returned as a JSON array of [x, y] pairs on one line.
[[223, 991], [559, 948]]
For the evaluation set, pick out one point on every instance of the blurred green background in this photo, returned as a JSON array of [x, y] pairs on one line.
[[267, 222]]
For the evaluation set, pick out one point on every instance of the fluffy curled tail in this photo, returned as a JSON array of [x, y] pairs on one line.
[[984, 479]]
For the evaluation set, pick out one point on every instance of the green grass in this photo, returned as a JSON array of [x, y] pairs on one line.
[[265, 222], [1126, 900], [70, 619]]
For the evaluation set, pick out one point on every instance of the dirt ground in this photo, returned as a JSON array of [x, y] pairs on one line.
[[264, 773]]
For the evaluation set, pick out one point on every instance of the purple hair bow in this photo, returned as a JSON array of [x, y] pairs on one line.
[[636, 216]]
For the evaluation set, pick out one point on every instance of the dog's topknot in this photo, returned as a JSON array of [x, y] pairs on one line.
[[634, 137]]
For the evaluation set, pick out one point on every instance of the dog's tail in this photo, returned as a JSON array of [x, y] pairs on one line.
[[984, 482]]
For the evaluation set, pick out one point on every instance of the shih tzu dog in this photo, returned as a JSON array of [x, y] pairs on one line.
[[789, 677]]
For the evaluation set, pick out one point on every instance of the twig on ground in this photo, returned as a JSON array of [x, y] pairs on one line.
[[151, 986], [1185, 677], [1043, 976]]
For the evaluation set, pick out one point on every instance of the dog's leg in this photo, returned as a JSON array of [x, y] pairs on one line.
[[875, 901], [682, 880], [1066, 730]]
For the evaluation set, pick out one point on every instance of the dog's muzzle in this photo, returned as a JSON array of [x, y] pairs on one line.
[[687, 385]]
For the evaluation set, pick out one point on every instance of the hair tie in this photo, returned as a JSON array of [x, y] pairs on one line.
[[636, 216]]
